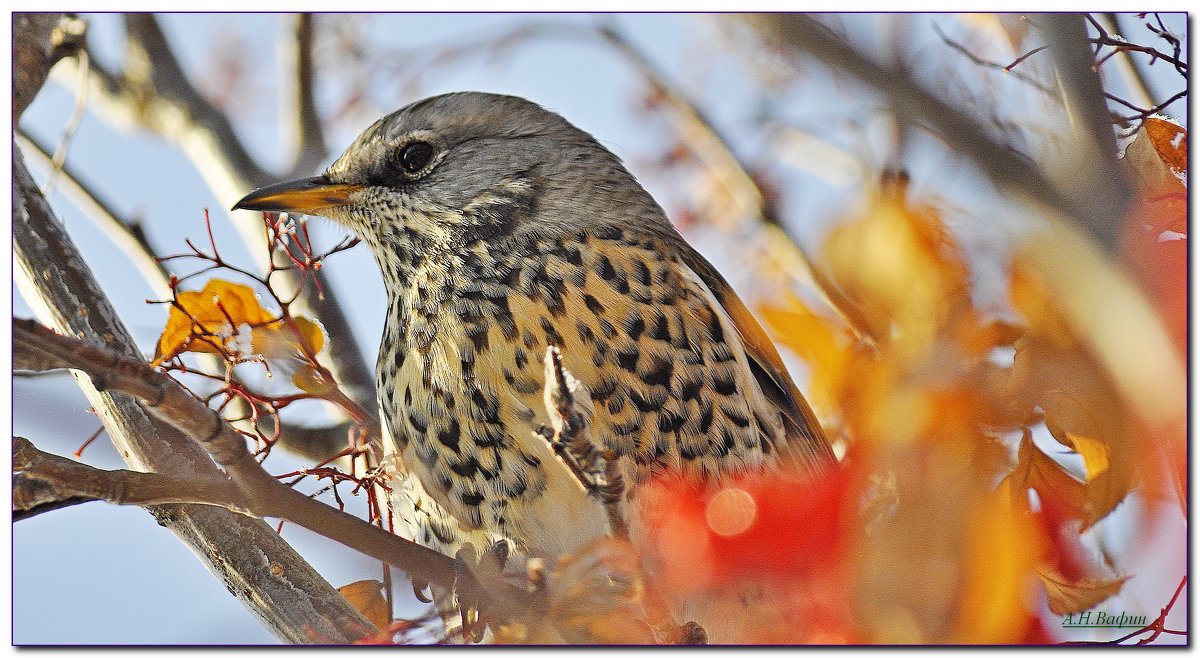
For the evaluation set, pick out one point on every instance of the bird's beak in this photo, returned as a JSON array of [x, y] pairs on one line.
[[307, 195]]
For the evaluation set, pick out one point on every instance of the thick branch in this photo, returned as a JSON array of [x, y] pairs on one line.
[[43, 482], [1098, 189], [39, 41]]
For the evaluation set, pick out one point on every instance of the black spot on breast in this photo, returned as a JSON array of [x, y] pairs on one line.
[[419, 427], [486, 406], [706, 418], [627, 428], [669, 422], [466, 468], [478, 333], [714, 328], [737, 418], [520, 358], [585, 332], [603, 389], [724, 382], [635, 325], [486, 436], [593, 304], [690, 390], [653, 403], [552, 335], [528, 338], [641, 273], [721, 353], [660, 372], [627, 358], [660, 330], [448, 436], [407, 396], [471, 498], [605, 269]]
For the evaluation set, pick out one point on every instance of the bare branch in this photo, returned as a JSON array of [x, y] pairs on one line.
[[300, 100], [39, 41], [1134, 78], [43, 482]]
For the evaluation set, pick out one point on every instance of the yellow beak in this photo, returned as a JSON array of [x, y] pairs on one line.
[[306, 195]]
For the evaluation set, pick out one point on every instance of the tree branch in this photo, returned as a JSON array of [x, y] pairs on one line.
[[1133, 77], [43, 482], [1098, 189], [300, 100], [128, 235]]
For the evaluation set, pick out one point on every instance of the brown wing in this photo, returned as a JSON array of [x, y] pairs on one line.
[[805, 435]]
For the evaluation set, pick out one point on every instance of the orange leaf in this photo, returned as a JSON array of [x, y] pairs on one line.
[[1170, 142], [1067, 596], [210, 320], [367, 597]]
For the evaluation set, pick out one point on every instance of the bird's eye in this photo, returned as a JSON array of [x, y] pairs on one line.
[[414, 157]]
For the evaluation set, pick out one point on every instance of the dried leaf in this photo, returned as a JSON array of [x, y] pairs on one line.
[[1035, 470], [1083, 410], [227, 318], [367, 597], [1170, 142], [1067, 596]]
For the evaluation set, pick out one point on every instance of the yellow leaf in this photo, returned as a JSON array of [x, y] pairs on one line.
[[209, 320], [899, 265], [1068, 597], [367, 597]]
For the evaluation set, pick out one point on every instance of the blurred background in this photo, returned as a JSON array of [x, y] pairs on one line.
[[733, 140]]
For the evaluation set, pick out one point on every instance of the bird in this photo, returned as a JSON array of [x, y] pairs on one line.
[[500, 230]]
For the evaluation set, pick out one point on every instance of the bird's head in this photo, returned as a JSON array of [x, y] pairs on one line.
[[464, 165]]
